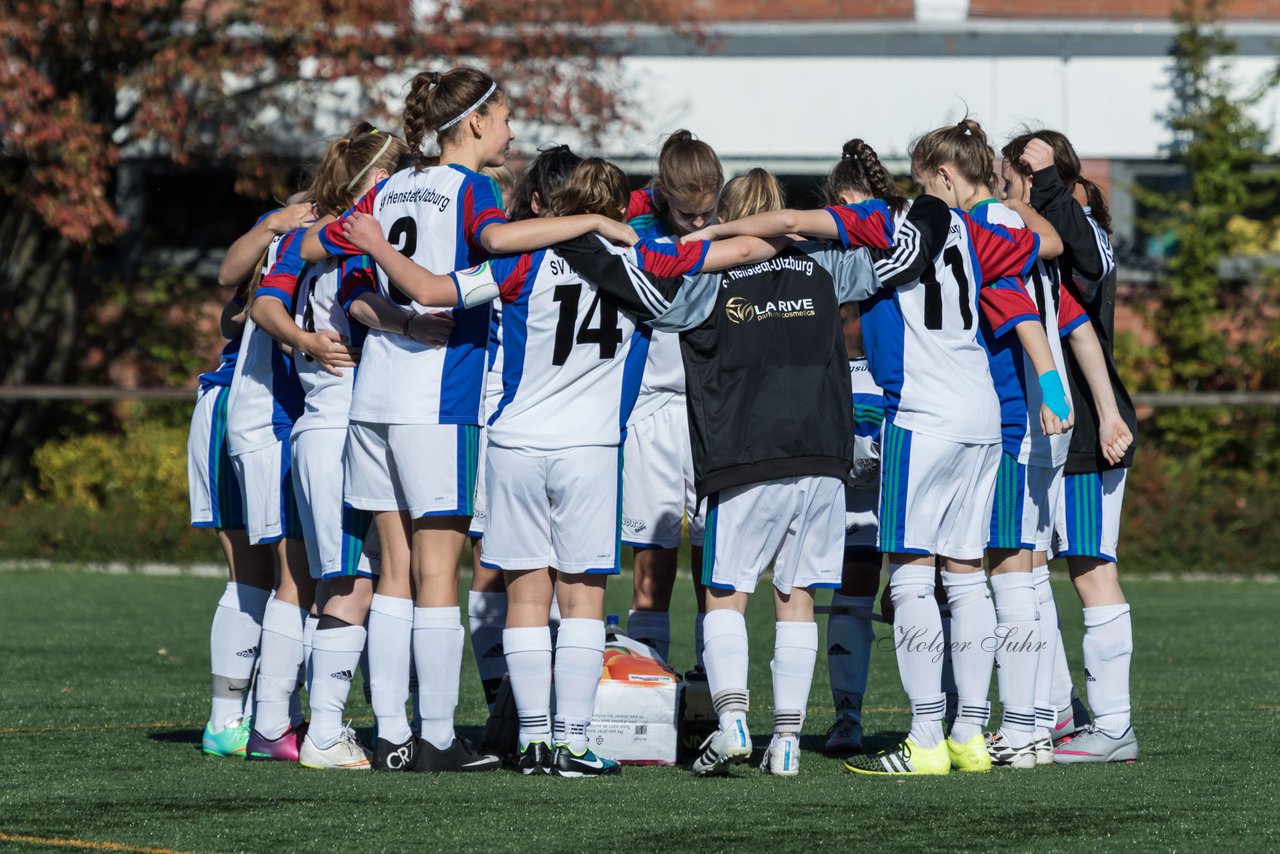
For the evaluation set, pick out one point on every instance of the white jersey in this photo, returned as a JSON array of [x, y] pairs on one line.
[[265, 397], [571, 365], [325, 292], [921, 331], [435, 217]]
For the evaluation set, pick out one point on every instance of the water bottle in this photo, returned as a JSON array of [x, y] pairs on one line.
[[611, 628]]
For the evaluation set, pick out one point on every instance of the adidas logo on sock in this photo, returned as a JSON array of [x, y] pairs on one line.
[[494, 651], [848, 703], [252, 652], [1088, 677], [343, 675], [837, 649]]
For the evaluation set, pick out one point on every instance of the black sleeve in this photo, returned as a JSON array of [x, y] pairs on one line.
[[917, 241], [642, 295], [1053, 201]]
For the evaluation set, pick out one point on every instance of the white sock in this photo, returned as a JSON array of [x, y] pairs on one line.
[[973, 657], [278, 662], [652, 628], [849, 639], [700, 641], [487, 615], [917, 635], [1017, 655], [335, 658], [296, 717], [528, 652], [1108, 647], [795, 649], [437, 657], [726, 661], [233, 649], [579, 663], [1047, 608], [390, 633]]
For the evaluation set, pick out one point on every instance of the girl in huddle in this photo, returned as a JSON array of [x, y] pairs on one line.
[[942, 427], [309, 309], [552, 467], [657, 483], [487, 600], [217, 502], [1087, 520], [857, 177], [416, 411]]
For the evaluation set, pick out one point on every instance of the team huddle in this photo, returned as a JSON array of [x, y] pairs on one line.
[[424, 349]]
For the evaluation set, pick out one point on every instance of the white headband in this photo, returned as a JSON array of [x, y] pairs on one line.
[[469, 110], [381, 151]]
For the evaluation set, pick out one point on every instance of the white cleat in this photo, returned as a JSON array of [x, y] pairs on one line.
[[782, 756], [722, 749], [1044, 747], [1005, 755], [346, 754]]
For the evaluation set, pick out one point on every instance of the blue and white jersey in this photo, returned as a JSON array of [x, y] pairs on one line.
[[493, 377], [435, 217], [265, 398], [1012, 371], [571, 359], [663, 381], [221, 376], [921, 331]]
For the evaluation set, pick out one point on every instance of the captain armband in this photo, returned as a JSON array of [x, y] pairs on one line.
[[476, 285]]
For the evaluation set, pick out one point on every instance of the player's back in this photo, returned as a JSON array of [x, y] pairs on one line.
[[571, 364], [922, 345], [321, 306]]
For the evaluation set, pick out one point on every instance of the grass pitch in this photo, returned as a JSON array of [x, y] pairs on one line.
[[105, 686]]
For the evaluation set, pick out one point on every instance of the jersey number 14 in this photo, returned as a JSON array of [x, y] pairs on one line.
[[605, 334]]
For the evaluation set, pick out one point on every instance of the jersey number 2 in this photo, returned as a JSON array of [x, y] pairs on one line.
[[607, 334]]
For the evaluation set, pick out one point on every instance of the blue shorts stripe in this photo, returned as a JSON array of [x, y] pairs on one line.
[[895, 473], [1082, 494], [709, 530], [1009, 504], [290, 521], [355, 529], [224, 488]]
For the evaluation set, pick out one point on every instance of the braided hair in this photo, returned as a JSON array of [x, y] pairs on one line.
[[860, 171]]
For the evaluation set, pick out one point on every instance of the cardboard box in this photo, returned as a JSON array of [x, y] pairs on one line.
[[638, 703]]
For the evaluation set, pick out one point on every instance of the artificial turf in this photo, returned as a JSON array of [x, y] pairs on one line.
[[105, 686]]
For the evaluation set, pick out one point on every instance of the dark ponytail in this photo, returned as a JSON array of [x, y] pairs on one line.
[[1067, 162], [860, 171], [545, 176]]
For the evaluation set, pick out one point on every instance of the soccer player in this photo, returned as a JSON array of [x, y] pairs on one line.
[[657, 483], [411, 458], [570, 370], [216, 502], [1088, 521], [1024, 505]]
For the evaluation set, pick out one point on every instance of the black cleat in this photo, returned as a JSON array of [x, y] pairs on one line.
[[389, 756], [535, 758], [565, 763], [459, 756]]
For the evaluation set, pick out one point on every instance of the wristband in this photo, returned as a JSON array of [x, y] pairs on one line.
[[1054, 395]]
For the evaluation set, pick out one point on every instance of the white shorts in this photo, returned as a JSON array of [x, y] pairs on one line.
[[480, 507], [212, 485], [862, 517], [1088, 519], [657, 481], [558, 510], [427, 469], [266, 485], [795, 523], [935, 495], [329, 529]]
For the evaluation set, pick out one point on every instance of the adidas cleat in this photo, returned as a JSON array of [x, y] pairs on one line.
[[1005, 755], [722, 749], [389, 756], [458, 756], [1094, 745], [782, 756], [907, 758], [229, 741], [286, 748], [346, 753], [1044, 748], [970, 757], [566, 763], [535, 758], [844, 738]]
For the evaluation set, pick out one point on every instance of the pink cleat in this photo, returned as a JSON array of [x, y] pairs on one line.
[[282, 749]]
